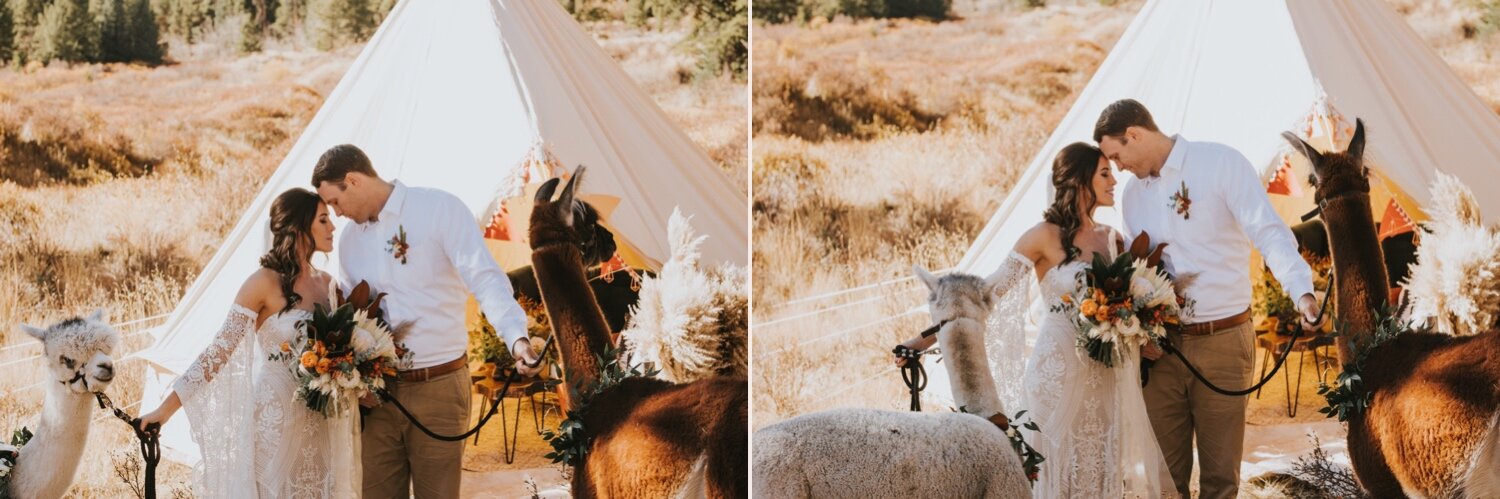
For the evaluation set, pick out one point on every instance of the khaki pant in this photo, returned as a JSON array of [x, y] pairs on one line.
[[400, 460], [1181, 408]]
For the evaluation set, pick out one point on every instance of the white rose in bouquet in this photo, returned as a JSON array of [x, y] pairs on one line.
[[362, 340]]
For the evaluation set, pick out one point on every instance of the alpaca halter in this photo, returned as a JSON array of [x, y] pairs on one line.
[[77, 377], [935, 328], [1322, 202]]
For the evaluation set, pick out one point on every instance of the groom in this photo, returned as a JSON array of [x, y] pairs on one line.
[[422, 247], [1206, 201]]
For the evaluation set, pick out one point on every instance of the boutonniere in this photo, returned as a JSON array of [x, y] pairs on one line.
[[397, 245], [1181, 203]]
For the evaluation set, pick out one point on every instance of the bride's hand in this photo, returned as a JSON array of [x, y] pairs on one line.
[[162, 413], [919, 344], [157, 417]]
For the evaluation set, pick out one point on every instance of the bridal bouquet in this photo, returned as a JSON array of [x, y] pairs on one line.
[[1124, 303], [8, 455], [344, 353]]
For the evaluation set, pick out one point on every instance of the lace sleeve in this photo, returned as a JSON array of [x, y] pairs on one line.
[[1005, 331], [241, 320], [218, 395], [1015, 269], [1005, 344]]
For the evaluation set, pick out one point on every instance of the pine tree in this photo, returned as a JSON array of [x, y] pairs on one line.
[[65, 32], [185, 18], [24, 17], [290, 15], [143, 33], [341, 22], [250, 33], [7, 33], [720, 33], [114, 37]]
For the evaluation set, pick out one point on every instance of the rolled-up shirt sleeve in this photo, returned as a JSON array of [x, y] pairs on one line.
[[1270, 235], [491, 288]]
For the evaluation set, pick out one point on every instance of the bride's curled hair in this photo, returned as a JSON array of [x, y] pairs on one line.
[[1072, 181], [292, 215]]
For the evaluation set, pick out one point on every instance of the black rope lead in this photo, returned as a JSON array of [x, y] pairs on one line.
[[510, 377], [1281, 359], [913, 374], [150, 440]]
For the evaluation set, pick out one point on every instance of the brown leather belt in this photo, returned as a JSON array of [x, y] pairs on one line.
[[1210, 327], [426, 373]]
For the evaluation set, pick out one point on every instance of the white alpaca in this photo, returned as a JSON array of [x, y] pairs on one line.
[[866, 453], [690, 322], [78, 354]]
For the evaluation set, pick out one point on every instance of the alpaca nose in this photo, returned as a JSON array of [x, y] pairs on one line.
[[106, 372]]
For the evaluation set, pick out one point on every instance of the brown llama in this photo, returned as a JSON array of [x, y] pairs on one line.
[[651, 438], [1431, 427]]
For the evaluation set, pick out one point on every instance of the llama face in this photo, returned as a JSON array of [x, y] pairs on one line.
[[1336, 173], [79, 351], [957, 295], [570, 220]]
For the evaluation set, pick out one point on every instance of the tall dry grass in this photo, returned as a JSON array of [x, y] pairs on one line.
[[118, 183], [882, 144]]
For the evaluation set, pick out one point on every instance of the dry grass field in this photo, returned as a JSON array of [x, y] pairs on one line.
[[118, 182], [883, 143]]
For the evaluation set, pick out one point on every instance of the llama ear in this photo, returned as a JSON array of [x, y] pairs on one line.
[[1356, 147], [1303, 147], [544, 193], [35, 332], [565, 200], [926, 277], [97, 315]]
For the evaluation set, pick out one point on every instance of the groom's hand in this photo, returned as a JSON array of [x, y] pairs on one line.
[[525, 357], [1150, 351], [1308, 306]]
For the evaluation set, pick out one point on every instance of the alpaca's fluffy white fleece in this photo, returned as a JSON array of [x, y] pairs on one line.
[[690, 321], [869, 453], [1454, 288]]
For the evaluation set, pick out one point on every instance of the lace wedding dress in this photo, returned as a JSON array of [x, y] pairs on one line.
[[1095, 434], [256, 437]]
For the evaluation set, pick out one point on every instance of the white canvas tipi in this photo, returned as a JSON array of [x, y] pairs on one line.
[[458, 95], [1241, 72]]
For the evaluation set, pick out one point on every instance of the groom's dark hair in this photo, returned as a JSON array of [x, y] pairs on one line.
[[1120, 115], [339, 161]]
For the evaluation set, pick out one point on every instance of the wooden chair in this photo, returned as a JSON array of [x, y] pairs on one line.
[[488, 383], [1274, 344]]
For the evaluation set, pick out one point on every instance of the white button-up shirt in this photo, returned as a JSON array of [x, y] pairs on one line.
[[1228, 210], [445, 259]]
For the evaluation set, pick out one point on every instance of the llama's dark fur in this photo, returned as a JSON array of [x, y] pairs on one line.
[[649, 436], [1434, 396]]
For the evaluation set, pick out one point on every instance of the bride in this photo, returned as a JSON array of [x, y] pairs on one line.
[[1095, 434], [257, 438]]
